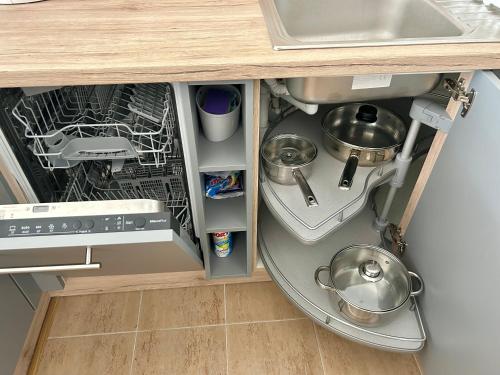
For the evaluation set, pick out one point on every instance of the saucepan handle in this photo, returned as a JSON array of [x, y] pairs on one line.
[[309, 197], [420, 282], [318, 281], [349, 171]]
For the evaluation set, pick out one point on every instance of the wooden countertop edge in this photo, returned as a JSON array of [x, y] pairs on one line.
[[235, 71]]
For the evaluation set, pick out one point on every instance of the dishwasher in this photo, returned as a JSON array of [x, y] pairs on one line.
[[110, 178]]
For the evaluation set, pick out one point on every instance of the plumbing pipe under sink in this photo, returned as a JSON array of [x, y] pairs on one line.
[[279, 90]]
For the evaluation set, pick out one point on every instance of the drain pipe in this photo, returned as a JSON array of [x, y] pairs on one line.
[[279, 90]]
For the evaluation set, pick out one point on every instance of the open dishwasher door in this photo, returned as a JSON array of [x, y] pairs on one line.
[[94, 239]]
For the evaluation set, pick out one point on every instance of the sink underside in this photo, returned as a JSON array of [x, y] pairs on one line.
[[295, 24]]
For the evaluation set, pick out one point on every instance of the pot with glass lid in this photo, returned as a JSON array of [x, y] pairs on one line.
[[371, 284]]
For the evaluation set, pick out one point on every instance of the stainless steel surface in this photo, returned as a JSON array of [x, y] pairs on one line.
[[323, 90], [72, 209], [288, 160], [297, 24], [458, 93], [87, 266], [372, 283], [361, 134], [292, 265], [308, 194]]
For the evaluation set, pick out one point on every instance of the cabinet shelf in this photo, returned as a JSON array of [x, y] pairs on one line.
[[235, 264], [225, 215], [228, 155]]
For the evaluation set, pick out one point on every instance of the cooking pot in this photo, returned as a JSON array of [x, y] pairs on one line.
[[372, 285], [361, 134], [287, 160]]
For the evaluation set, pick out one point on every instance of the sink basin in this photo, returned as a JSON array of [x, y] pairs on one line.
[[295, 24]]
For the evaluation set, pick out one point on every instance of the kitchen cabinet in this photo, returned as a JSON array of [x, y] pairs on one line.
[[290, 262], [456, 176]]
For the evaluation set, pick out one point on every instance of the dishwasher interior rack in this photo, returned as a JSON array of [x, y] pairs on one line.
[[109, 122], [95, 181]]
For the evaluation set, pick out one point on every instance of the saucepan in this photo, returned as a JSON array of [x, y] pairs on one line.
[[288, 160], [361, 135], [371, 284]]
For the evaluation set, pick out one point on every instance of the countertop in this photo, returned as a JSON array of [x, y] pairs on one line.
[[62, 42]]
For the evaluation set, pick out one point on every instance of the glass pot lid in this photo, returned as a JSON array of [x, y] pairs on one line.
[[370, 278], [289, 150]]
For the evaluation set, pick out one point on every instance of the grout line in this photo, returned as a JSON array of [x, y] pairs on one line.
[[268, 321], [225, 330], [319, 347], [182, 327], [136, 333], [90, 335]]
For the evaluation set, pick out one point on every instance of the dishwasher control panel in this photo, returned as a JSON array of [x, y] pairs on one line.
[[87, 224]]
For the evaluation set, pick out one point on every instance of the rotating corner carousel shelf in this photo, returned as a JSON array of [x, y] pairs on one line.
[[292, 265], [335, 206]]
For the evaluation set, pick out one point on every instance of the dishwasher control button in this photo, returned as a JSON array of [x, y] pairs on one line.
[[140, 222], [88, 224], [77, 224]]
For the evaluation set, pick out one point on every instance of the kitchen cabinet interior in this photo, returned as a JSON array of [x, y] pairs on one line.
[[291, 263]]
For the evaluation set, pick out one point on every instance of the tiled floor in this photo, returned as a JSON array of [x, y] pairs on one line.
[[228, 329]]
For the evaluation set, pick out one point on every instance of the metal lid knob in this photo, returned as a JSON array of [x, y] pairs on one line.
[[371, 269]]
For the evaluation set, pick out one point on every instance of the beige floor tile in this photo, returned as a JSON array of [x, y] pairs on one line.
[[183, 351], [97, 313], [88, 355], [283, 348], [341, 356], [183, 307], [257, 302]]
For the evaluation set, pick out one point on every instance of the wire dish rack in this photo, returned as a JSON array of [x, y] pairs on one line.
[[110, 122], [94, 181]]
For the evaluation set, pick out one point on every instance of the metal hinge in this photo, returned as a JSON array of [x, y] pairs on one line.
[[398, 243], [460, 94]]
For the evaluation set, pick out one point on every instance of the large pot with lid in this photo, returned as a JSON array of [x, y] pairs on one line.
[[361, 134], [371, 284]]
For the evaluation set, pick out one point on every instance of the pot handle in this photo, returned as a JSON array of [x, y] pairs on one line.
[[309, 197], [318, 281], [351, 165], [420, 281]]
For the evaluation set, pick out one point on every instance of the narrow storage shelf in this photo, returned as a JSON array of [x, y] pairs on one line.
[[228, 155], [235, 264], [225, 215]]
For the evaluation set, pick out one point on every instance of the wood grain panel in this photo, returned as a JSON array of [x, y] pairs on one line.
[[88, 355], [108, 41], [106, 284], [98, 313], [183, 307], [286, 347], [341, 356], [191, 351], [257, 302]]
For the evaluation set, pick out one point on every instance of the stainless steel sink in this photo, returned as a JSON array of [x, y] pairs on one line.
[[296, 24]]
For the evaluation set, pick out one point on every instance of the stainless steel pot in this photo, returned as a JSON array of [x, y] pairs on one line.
[[372, 285], [361, 134], [287, 159]]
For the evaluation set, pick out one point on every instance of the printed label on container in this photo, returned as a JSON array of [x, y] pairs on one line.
[[371, 81]]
